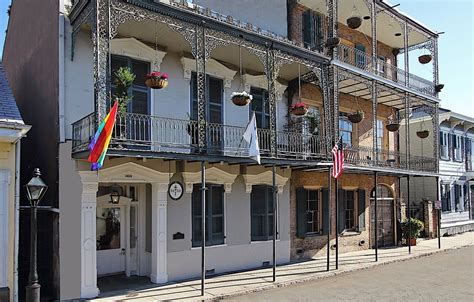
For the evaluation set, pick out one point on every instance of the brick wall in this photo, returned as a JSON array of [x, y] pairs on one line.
[[316, 245]]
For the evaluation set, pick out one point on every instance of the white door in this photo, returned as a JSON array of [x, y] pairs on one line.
[[111, 239]]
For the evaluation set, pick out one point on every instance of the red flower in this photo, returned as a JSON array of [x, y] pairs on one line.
[[299, 105], [164, 76]]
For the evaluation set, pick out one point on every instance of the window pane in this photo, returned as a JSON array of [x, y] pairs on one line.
[[140, 102], [258, 200], [108, 228], [217, 202], [258, 225], [140, 69], [215, 91]]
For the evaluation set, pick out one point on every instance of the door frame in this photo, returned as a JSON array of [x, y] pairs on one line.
[[124, 203]]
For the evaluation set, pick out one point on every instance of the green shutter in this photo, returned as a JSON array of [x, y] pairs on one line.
[[302, 208], [318, 31], [341, 210], [325, 211], [308, 28], [361, 209]]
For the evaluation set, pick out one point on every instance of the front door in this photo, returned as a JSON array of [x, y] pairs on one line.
[[385, 225], [110, 233]]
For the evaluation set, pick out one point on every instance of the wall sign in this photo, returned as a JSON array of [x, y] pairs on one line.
[[175, 190], [437, 205]]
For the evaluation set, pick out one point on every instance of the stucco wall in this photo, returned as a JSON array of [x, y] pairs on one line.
[[266, 14]]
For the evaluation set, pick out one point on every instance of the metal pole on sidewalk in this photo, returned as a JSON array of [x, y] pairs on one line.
[[375, 219], [337, 224], [329, 220], [408, 214], [274, 220], [203, 226], [438, 212]]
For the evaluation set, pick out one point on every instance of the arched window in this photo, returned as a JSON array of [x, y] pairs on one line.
[[382, 192]]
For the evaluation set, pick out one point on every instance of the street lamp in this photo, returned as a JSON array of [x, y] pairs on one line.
[[35, 190]]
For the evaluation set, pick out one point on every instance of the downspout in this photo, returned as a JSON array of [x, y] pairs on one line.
[[61, 87], [16, 220]]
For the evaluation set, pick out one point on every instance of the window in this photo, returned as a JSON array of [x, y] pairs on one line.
[[457, 147], [138, 91], [261, 107], [360, 56], [345, 130], [313, 214], [350, 209], [261, 208], [445, 198], [214, 99], [381, 65], [469, 154], [312, 30], [458, 197], [443, 145], [214, 215]]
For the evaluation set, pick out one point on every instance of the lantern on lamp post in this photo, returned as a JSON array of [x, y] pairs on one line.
[[35, 190]]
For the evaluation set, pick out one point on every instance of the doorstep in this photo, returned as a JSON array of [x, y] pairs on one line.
[[241, 283]]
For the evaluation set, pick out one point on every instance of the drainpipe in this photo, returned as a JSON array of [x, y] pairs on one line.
[[16, 220]]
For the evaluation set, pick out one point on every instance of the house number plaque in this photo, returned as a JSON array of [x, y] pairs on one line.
[[175, 190]]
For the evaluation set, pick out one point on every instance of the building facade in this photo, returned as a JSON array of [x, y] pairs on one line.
[[12, 129], [165, 138]]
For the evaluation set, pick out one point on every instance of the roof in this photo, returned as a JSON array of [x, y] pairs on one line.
[[9, 112]]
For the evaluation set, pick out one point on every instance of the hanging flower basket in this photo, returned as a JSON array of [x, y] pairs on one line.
[[156, 80], [423, 133], [299, 109], [392, 127], [354, 22], [439, 87], [356, 117], [424, 59], [333, 42], [241, 98]]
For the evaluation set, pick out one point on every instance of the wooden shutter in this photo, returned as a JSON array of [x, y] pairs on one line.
[[308, 28], [318, 31], [361, 208], [341, 210], [302, 208], [325, 205], [450, 146], [196, 218]]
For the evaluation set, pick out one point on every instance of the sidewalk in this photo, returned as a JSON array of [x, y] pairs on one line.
[[257, 280]]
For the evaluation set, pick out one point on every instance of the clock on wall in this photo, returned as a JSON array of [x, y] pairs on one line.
[[175, 191]]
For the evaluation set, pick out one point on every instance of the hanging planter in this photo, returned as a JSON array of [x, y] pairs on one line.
[[423, 133], [439, 87], [156, 80], [333, 42], [241, 98], [299, 109], [424, 59], [392, 127], [354, 22], [356, 117]]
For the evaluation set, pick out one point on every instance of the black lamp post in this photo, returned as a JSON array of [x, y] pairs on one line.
[[35, 190]]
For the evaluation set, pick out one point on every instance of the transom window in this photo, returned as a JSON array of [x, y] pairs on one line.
[[261, 208], [345, 130], [214, 215], [261, 107]]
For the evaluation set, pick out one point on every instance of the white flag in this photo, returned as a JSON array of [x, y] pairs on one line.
[[250, 136]]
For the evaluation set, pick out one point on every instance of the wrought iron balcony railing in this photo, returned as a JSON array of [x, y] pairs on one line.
[[150, 133], [137, 132], [362, 60]]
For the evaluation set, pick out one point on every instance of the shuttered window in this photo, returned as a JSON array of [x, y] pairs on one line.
[[312, 212], [445, 198], [360, 56], [261, 211], [312, 30], [261, 107], [214, 215], [351, 210], [443, 145], [458, 197]]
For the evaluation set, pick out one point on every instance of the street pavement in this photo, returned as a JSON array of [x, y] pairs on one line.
[[446, 276]]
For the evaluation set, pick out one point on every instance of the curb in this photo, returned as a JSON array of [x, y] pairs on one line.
[[331, 274]]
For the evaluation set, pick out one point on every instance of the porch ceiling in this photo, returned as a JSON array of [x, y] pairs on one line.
[[387, 27]]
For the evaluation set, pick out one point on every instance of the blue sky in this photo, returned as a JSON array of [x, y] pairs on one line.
[[456, 46]]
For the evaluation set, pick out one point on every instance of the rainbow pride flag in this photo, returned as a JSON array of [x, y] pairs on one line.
[[100, 142]]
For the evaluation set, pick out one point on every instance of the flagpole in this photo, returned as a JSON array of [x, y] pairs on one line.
[[337, 223], [203, 226], [274, 220]]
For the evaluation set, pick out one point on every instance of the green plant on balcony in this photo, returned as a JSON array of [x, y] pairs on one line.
[[123, 80]]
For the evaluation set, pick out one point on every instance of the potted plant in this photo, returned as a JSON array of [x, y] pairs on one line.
[[424, 59], [423, 133], [123, 81], [411, 229], [299, 109], [354, 22], [356, 117], [156, 80], [241, 98]]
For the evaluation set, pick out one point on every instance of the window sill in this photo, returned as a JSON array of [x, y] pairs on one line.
[[263, 241], [350, 233], [209, 246], [315, 235]]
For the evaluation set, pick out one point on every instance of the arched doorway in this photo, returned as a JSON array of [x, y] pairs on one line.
[[385, 216]]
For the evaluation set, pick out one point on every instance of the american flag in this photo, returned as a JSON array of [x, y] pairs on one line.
[[338, 159]]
